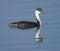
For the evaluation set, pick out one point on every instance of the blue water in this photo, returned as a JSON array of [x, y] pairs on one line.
[[24, 40]]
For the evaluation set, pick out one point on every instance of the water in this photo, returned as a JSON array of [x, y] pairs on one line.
[[24, 40]]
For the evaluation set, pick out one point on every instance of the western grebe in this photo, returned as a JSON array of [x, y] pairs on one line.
[[28, 24]]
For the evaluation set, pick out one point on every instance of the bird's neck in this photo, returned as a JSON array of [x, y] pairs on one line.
[[38, 19]]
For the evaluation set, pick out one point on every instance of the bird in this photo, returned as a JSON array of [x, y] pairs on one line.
[[28, 24]]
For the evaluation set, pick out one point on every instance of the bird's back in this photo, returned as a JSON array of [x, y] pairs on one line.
[[23, 24]]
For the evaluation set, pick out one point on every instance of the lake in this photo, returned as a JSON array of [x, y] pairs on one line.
[[12, 39]]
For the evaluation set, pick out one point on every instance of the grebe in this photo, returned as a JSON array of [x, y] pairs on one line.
[[28, 24]]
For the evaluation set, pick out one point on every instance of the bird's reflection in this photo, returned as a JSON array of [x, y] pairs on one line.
[[37, 35]]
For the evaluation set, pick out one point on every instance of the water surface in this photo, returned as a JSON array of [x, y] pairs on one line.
[[24, 40]]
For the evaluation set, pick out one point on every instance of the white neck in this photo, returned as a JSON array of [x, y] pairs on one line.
[[37, 16]]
